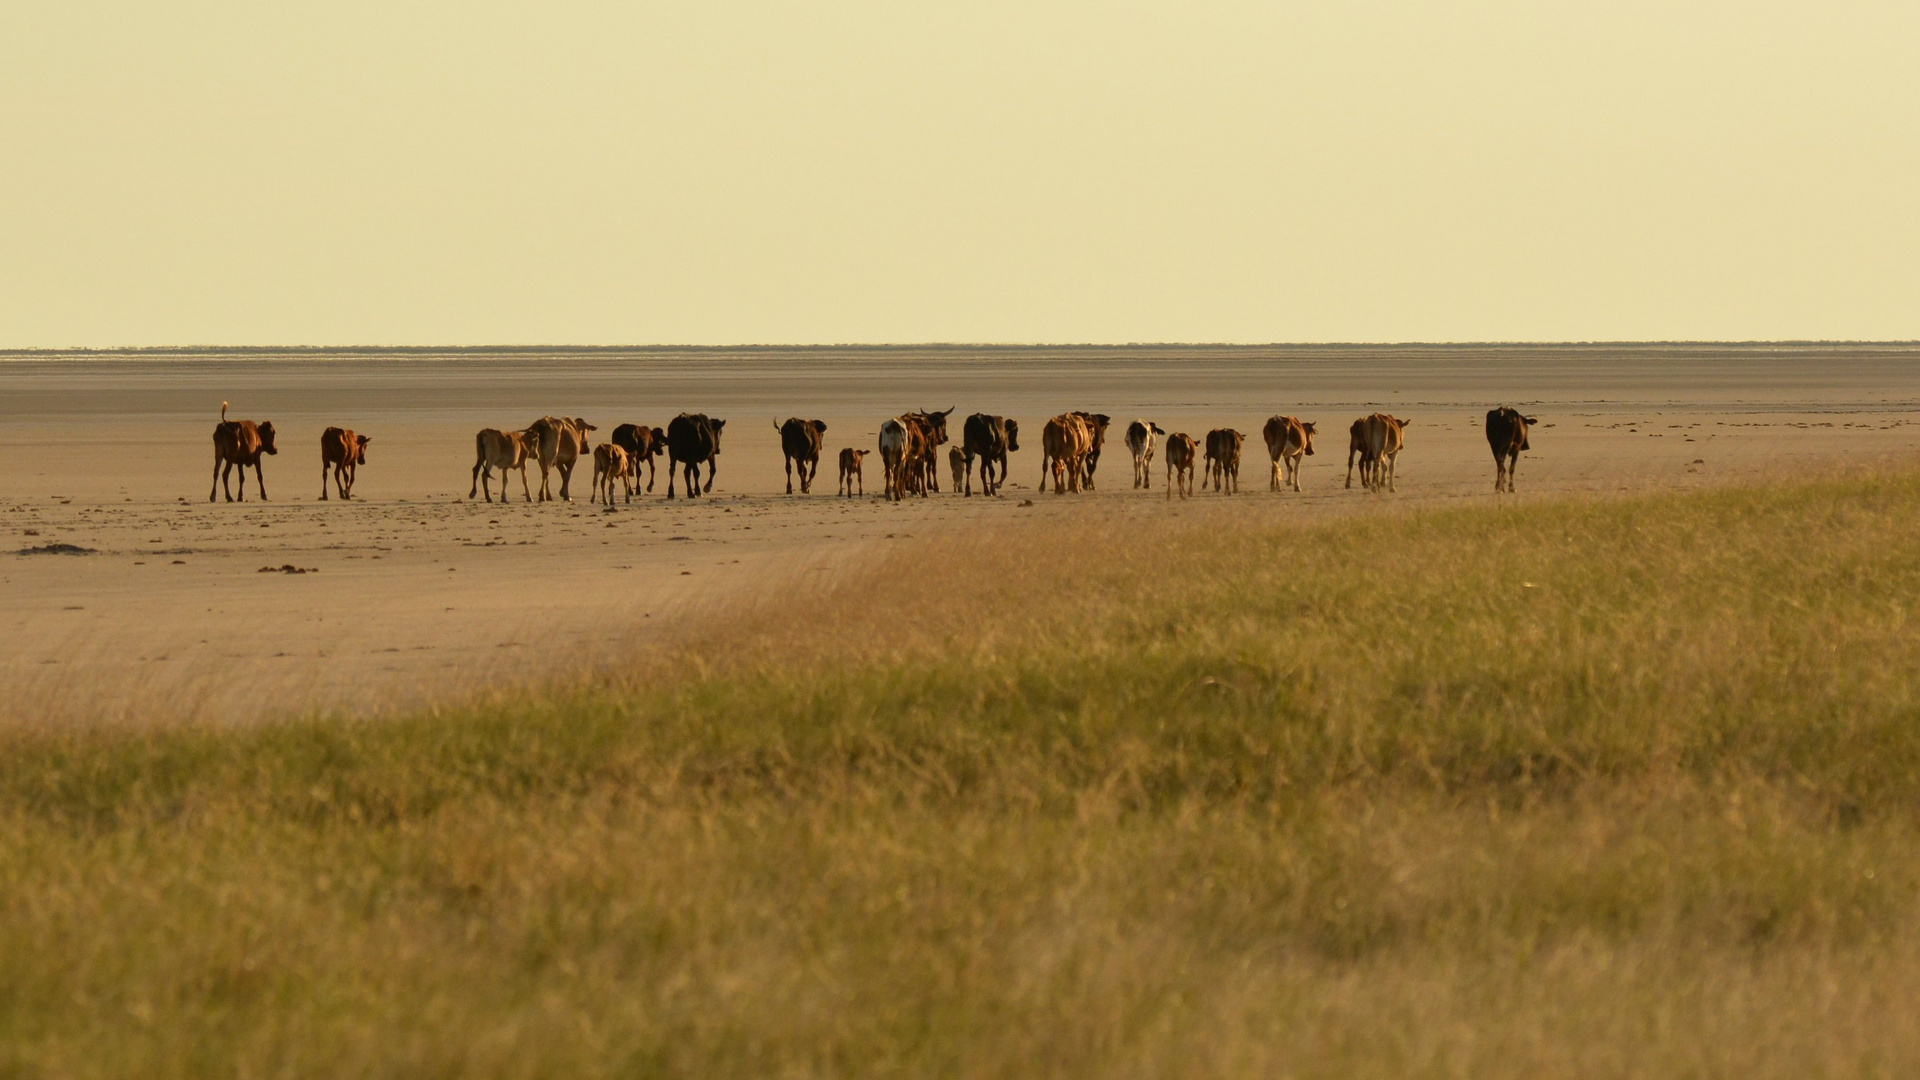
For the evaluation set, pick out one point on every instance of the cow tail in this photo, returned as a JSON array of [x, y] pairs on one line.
[[223, 412]]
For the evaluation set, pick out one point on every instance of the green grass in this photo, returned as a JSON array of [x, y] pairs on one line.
[[1574, 788]]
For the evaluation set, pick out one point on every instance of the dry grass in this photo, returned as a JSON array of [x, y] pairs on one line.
[[1580, 788]]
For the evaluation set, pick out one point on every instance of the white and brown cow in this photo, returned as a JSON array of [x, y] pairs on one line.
[[1383, 437], [1289, 441], [561, 442], [1140, 435]]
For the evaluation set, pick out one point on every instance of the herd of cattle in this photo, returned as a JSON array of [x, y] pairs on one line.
[[909, 448]]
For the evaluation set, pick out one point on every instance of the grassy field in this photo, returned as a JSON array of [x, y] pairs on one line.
[[1620, 787]]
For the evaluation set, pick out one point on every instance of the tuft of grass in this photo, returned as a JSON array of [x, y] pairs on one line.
[[1566, 788]]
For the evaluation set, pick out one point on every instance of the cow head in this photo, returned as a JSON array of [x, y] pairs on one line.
[[660, 437], [1157, 429], [818, 427], [716, 425], [360, 448], [1531, 419], [1307, 426], [1013, 435], [266, 437]]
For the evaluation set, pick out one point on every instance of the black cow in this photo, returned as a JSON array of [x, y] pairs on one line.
[[692, 439], [800, 441], [641, 443], [989, 438], [1507, 436]]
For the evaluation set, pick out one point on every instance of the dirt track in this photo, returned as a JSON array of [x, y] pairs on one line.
[[416, 590]]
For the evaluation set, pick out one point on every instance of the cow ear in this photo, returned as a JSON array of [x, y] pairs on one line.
[[718, 424], [364, 439], [820, 425]]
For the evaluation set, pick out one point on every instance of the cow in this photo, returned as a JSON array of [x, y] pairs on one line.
[[991, 439], [503, 450], [1065, 443], [239, 443], [933, 435], [561, 442], [1181, 450], [851, 470], [343, 451], [1384, 436], [800, 441], [957, 459], [693, 439], [1357, 446], [1289, 440], [1140, 435], [902, 441], [642, 445], [609, 464], [1097, 437], [1507, 435], [1223, 459]]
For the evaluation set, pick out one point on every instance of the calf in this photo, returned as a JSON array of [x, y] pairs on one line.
[[1140, 435], [851, 471], [1223, 459], [957, 460], [609, 464], [989, 438], [642, 445], [800, 441], [561, 442], [1507, 435], [1289, 440], [343, 451], [239, 443], [503, 450], [1181, 450], [693, 439]]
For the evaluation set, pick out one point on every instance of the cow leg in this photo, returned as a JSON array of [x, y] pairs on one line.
[[323, 480], [225, 471], [713, 468], [524, 493], [790, 474], [259, 475]]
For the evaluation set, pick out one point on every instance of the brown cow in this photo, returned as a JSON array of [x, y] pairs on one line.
[[1223, 458], [1384, 437], [1181, 450], [1507, 435], [239, 442], [503, 450], [562, 442], [642, 445], [933, 435], [1064, 445], [851, 470], [1097, 437], [1357, 445], [800, 440], [1289, 440], [344, 452], [610, 463]]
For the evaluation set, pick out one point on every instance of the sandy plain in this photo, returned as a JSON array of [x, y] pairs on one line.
[[416, 592]]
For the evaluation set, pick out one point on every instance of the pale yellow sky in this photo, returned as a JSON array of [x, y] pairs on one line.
[[710, 172]]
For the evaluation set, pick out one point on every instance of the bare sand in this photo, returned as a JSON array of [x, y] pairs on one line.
[[415, 592]]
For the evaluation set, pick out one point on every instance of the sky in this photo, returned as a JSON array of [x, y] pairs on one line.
[[714, 172]]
